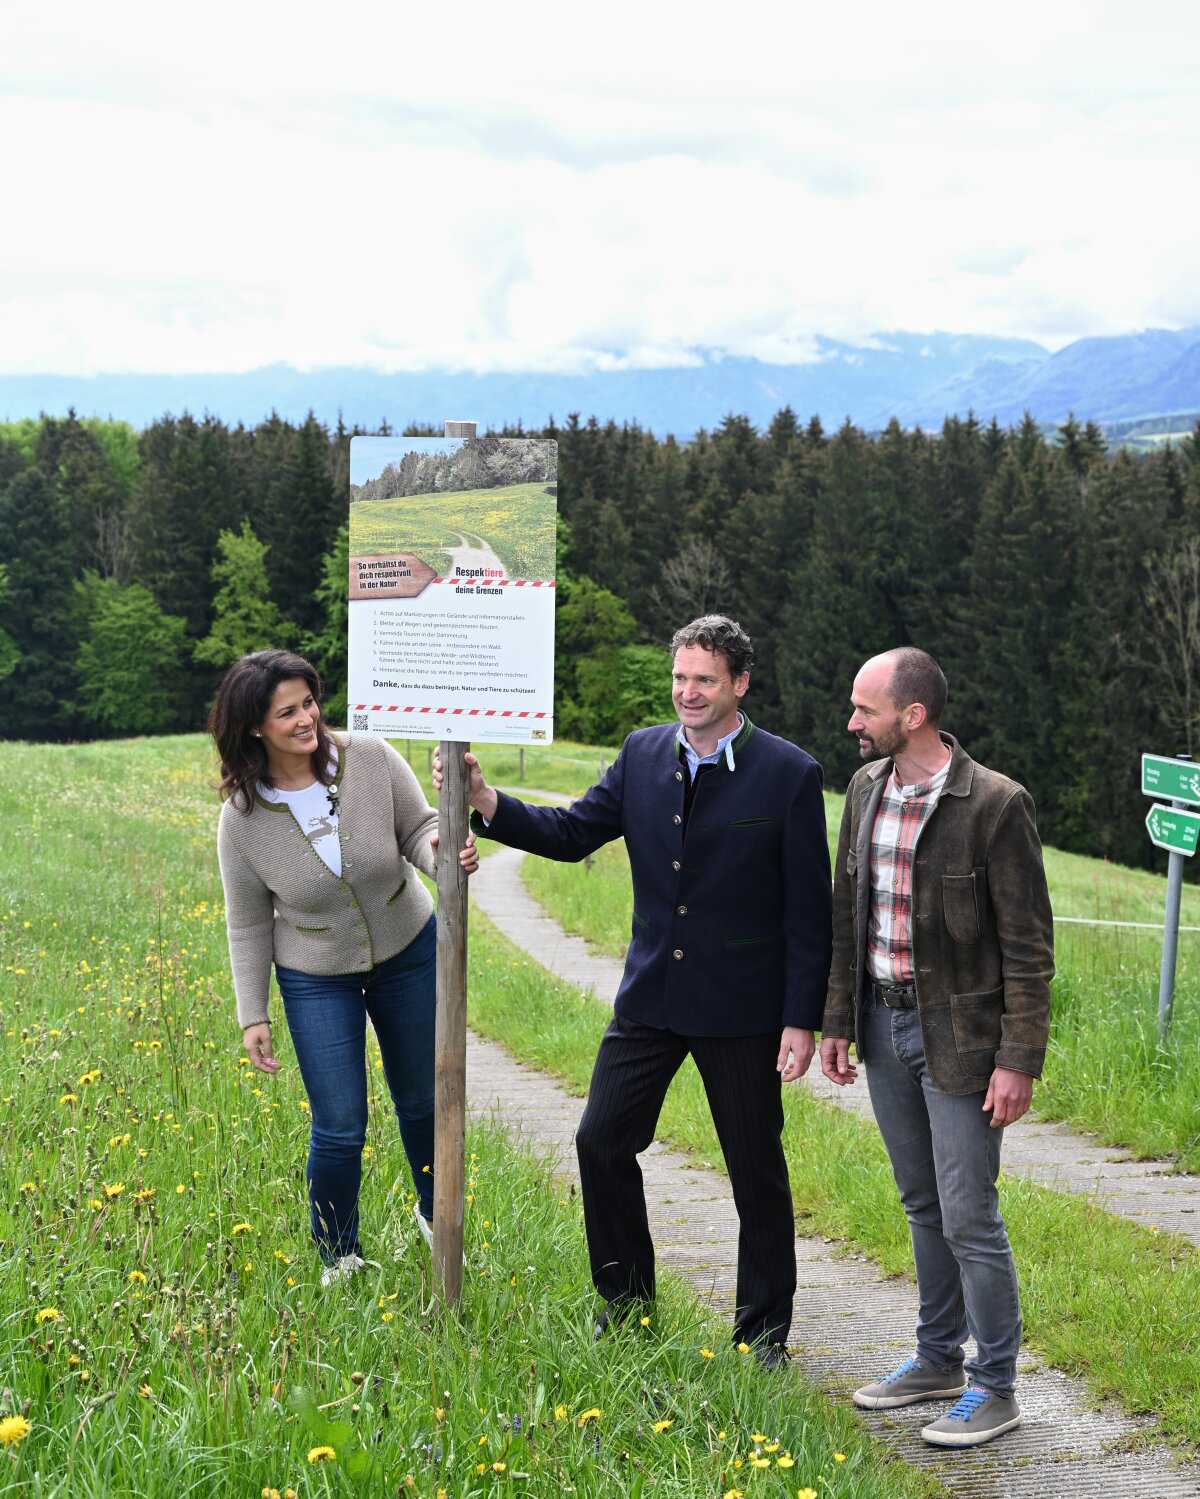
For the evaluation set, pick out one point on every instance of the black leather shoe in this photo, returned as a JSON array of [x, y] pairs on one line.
[[616, 1312], [772, 1356]]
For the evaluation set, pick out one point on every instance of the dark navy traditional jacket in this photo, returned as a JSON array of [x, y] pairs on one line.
[[731, 931]]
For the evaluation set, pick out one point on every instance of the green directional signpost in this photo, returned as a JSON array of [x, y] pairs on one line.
[[1174, 830], [1172, 780], [1177, 830]]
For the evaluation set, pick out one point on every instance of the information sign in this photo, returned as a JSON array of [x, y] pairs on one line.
[[452, 551]]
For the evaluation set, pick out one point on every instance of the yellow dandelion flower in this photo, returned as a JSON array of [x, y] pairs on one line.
[[559, 1412], [733, 1494], [707, 1353], [786, 1461], [69, 1098], [645, 1321], [48, 1314], [144, 1194], [94, 1202], [760, 1462], [387, 1316], [14, 1429], [269, 1493], [72, 1361], [145, 1391], [326, 1454], [137, 1277], [29, 1186], [241, 1228], [113, 1189], [720, 1436], [806, 1494], [772, 1447], [839, 1457], [743, 1347], [662, 1425], [499, 1467], [482, 1440], [180, 1187], [440, 1412], [758, 1436], [481, 1467], [589, 1415]]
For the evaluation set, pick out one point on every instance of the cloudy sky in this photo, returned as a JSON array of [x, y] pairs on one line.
[[224, 186]]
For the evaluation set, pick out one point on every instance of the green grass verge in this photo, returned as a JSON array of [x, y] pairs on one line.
[[165, 1331], [1105, 1070], [1105, 1299]]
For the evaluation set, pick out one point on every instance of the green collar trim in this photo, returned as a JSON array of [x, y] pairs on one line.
[[342, 741]]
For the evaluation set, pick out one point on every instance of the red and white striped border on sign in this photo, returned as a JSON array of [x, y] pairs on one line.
[[500, 582], [449, 712]]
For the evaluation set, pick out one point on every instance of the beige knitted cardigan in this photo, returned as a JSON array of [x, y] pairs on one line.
[[282, 901]]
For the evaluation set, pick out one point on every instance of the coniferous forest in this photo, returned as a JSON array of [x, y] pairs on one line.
[[1058, 583]]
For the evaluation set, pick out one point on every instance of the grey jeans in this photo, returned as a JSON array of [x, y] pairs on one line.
[[946, 1157]]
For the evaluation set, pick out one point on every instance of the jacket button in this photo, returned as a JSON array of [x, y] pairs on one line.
[[678, 953], [681, 910], [679, 775], [677, 819], [675, 864]]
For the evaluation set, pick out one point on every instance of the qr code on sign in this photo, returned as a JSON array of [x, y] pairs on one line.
[[360, 721]]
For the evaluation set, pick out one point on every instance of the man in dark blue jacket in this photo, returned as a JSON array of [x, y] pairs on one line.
[[728, 960]]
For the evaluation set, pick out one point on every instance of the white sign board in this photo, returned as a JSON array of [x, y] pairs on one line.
[[452, 588]]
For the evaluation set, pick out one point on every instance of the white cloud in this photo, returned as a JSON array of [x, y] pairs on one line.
[[227, 188]]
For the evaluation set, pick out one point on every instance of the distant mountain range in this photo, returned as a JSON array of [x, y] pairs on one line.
[[917, 378]]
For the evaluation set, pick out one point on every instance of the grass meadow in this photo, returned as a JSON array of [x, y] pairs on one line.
[[515, 521], [164, 1329]]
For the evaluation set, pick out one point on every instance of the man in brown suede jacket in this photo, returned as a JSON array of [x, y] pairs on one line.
[[942, 959]]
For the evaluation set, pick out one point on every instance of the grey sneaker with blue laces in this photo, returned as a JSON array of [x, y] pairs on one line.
[[909, 1382], [977, 1417]]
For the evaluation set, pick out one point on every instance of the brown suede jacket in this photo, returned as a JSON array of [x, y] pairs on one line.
[[983, 934]]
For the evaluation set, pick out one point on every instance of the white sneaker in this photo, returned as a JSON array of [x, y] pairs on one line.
[[423, 1224], [348, 1265]]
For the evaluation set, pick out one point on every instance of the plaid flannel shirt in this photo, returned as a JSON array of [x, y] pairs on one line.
[[903, 812]]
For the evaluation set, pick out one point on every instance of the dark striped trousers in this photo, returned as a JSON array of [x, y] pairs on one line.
[[634, 1068]]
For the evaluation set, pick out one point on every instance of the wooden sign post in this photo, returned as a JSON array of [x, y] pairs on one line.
[[450, 1043]]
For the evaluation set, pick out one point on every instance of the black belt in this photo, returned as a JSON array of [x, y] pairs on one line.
[[894, 996]]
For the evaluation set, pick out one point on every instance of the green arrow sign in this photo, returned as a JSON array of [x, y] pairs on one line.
[[1178, 780], [1176, 831]]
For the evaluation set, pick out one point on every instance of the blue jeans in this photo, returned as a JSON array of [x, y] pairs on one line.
[[946, 1157], [327, 1018]]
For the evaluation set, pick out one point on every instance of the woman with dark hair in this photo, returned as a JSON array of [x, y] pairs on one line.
[[319, 841]]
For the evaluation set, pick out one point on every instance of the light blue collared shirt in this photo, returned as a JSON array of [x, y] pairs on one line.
[[724, 747]]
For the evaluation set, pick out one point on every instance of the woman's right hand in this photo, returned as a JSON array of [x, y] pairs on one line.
[[256, 1039]]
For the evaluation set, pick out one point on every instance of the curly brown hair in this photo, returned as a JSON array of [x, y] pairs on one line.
[[243, 700]]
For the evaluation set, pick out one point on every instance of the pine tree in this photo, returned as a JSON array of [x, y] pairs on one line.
[[244, 617]]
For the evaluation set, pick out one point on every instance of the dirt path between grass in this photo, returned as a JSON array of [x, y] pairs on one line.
[[852, 1322]]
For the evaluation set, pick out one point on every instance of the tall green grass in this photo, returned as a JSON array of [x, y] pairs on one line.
[[165, 1331]]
